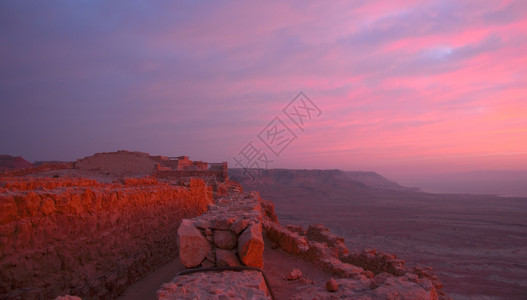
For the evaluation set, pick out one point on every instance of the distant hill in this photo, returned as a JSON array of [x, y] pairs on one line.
[[8, 162], [48, 162], [307, 178], [317, 185], [375, 180]]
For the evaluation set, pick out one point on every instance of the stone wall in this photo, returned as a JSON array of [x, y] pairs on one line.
[[229, 234], [179, 174], [80, 237], [125, 162]]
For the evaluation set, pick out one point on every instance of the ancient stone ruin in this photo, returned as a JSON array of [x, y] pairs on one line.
[[226, 235], [230, 235], [108, 220]]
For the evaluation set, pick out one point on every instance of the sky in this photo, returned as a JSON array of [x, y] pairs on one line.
[[397, 87]]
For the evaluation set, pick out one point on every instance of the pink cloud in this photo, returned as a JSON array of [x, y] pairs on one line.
[[401, 84]]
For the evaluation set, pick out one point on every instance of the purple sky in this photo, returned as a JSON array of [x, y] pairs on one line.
[[403, 86]]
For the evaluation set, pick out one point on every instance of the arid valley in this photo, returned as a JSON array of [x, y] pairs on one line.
[[475, 243]]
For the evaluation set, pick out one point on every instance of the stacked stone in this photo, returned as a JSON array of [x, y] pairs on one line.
[[229, 234]]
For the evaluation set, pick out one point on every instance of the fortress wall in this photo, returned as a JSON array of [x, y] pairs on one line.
[[80, 237], [211, 176]]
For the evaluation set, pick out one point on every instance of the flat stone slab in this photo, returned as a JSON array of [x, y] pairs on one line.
[[245, 284]]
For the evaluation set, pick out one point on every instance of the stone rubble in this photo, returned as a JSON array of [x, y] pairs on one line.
[[294, 275], [369, 274], [332, 285]]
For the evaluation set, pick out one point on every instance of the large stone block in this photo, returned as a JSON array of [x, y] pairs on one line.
[[251, 246], [193, 247]]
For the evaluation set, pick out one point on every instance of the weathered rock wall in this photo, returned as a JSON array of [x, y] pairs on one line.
[[211, 177], [80, 237], [126, 162]]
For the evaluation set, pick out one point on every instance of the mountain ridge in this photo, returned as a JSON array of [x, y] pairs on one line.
[[281, 176]]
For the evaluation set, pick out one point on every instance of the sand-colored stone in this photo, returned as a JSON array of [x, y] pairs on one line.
[[332, 285], [294, 275], [251, 246], [226, 258], [240, 225], [193, 247], [225, 239], [216, 285], [59, 235]]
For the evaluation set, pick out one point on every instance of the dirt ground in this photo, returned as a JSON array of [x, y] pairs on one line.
[[277, 265]]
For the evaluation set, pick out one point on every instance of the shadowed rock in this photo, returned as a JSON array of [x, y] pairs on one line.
[[226, 258], [224, 239]]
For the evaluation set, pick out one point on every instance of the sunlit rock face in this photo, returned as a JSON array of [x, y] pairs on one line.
[[59, 235]]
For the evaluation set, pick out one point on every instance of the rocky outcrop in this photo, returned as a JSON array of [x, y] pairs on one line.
[[76, 236], [214, 285], [368, 274], [376, 261]]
